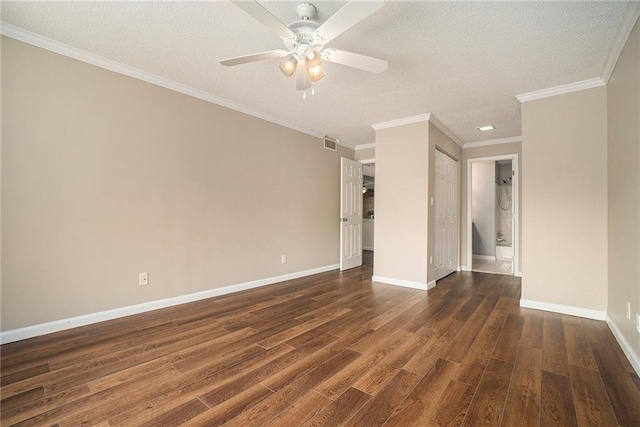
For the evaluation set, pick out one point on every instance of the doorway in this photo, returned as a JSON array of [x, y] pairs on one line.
[[492, 214], [368, 205]]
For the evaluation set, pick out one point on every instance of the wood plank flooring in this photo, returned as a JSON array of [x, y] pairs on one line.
[[330, 349]]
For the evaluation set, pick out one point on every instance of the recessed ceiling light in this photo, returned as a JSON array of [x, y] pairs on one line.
[[486, 128]]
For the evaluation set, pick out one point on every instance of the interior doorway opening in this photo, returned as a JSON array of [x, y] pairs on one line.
[[368, 204], [492, 214]]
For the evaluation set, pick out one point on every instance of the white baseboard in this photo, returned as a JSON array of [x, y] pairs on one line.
[[564, 309], [487, 257], [634, 359], [87, 319], [465, 268], [404, 283]]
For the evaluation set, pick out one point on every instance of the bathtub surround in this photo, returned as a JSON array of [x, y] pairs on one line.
[[504, 211]]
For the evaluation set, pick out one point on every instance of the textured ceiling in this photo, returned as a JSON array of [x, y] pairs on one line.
[[464, 62]]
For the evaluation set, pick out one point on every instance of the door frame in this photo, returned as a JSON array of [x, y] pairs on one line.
[[515, 195]]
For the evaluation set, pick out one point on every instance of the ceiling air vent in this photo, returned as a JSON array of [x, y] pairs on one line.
[[330, 143]]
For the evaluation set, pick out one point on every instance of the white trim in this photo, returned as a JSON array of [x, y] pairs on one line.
[[627, 348], [465, 268], [367, 248], [87, 319], [515, 211], [401, 122], [507, 140], [367, 161], [339, 141], [437, 123], [631, 14], [564, 309], [117, 67], [428, 117], [365, 146], [518, 274], [560, 90], [404, 283], [487, 257]]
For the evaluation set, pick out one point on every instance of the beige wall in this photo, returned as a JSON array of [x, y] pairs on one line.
[[105, 176], [623, 154], [402, 172], [366, 154], [476, 153], [438, 140], [564, 195]]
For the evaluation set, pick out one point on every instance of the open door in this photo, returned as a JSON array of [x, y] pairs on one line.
[[350, 214]]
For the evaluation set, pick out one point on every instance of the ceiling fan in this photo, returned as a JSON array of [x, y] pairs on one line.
[[305, 41]]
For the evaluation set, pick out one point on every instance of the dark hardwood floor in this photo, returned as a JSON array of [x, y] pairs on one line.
[[330, 349]]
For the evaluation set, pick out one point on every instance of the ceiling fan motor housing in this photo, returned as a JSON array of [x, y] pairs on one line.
[[306, 11], [304, 34]]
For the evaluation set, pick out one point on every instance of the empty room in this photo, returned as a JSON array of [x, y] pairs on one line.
[[361, 213]]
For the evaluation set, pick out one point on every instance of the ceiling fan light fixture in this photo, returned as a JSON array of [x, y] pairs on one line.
[[316, 73], [312, 58], [288, 65]]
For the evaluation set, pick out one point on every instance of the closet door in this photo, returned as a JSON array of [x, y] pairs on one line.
[[446, 212]]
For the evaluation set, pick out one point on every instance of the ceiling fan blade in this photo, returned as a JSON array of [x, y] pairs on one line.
[[354, 60], [278, 53], [352, 13], [263, 16], [303, 82]]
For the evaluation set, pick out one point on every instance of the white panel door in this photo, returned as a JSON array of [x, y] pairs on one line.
[[445, 259], [350, 214]]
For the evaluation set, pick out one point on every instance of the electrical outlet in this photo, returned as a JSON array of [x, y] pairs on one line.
[[629, 310], [283, 259], [430, 259], [638, 323], [143, 279]]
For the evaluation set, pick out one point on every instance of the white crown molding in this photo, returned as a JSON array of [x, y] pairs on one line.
[[428, 117], [74, 322], [631, 15], [404, 283], [627, 348], [367, 162], [564, 309], [401, 122], [507, 140], [437, 123], [345, 144], [99, 61], [365, 146], [560, 90]]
